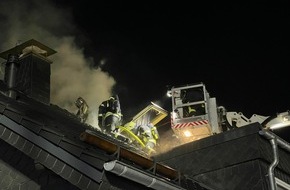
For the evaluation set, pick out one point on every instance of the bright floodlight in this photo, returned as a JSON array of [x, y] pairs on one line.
[[187, 133]]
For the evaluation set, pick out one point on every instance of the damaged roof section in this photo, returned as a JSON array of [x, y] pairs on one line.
[[44, 139], [50, 137]]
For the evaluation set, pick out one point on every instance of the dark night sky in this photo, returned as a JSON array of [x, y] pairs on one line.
[[240, 51]]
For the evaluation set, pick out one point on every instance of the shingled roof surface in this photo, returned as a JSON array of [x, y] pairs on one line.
[[40, 148]]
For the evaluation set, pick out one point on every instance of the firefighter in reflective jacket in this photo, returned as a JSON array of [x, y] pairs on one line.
[[193, 96], [83, 109], [110, 115], [149, 135]]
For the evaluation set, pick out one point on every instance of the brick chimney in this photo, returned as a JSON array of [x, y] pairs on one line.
[[28, 70]]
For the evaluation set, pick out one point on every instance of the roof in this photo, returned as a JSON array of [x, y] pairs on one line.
[[50, 136]]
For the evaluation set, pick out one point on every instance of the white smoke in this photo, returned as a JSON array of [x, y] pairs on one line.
[[71, 75]]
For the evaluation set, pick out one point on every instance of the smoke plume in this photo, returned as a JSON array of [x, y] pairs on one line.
[[71, 75]]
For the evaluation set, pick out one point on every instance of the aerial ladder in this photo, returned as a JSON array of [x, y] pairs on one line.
[[152, 114], [196, 115]]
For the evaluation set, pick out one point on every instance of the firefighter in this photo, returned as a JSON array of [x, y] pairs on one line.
[[149, 135], [191, 96], [110, 115], [83, 109]]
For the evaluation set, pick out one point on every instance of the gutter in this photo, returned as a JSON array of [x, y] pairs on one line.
[[275, 142], [139, 176]]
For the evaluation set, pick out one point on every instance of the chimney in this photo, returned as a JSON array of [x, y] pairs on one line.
[[28, 70]]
